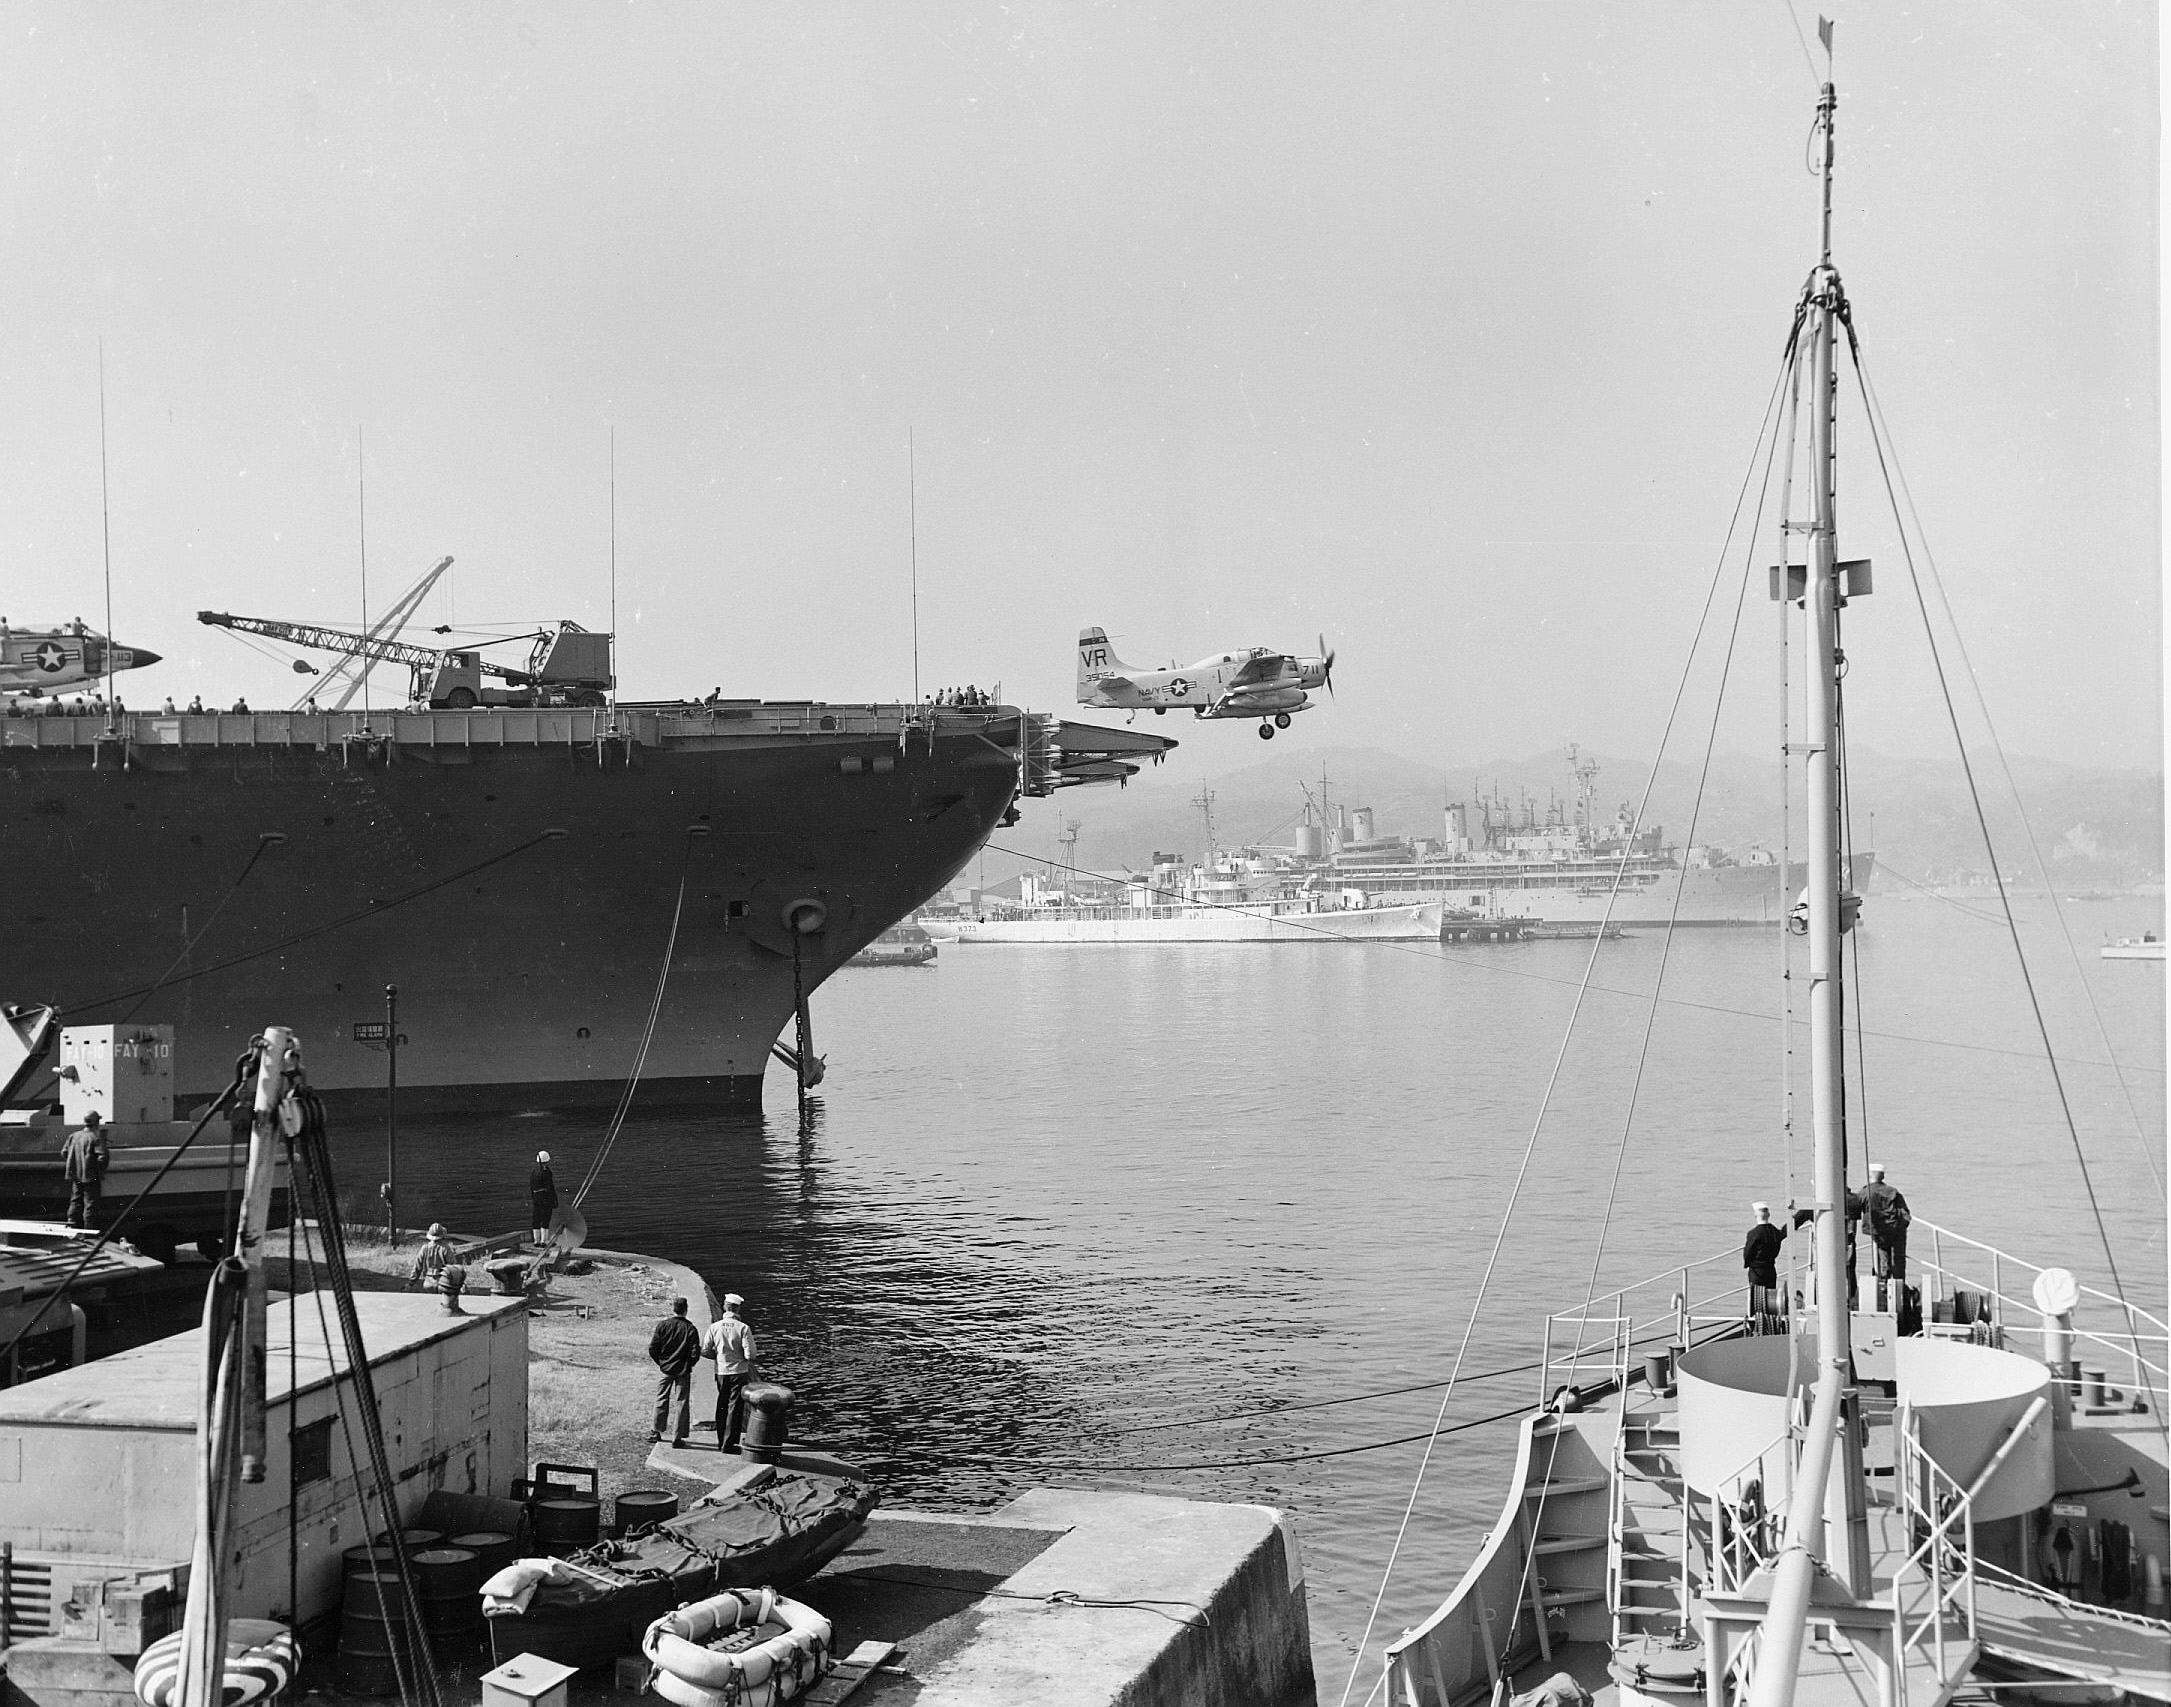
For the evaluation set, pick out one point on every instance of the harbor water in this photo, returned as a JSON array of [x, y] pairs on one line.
[[1085, 1215]]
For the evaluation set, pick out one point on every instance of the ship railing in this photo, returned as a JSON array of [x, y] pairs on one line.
[[1681, 1306], [1933, 1587], [494, 726], [1745, 1522], [2142, 1346], [1929, 1607]]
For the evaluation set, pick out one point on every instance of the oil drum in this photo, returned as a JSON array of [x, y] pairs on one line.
[[371, 1558], [371, 1629], [414, 1540], [641, 1508], [493, 1549], [768, 1420], [449, 1583], [565, 1526]]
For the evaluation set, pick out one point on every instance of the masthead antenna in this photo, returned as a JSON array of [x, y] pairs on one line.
[[614, 568], [912, 499], [105, 525], [361, 534]]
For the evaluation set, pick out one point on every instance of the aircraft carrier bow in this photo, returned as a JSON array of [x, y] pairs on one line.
[[516, 873]]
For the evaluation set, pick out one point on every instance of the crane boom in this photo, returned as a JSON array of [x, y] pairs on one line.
[[568, 666], [327, 639]]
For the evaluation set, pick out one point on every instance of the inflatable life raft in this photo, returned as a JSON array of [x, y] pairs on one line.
[[691, 1675], [261, 1660]]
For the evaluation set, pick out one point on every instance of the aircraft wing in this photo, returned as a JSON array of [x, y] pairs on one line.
[[1259, 667]]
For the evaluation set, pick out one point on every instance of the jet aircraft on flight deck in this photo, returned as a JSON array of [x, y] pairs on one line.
[[36, 661], [1255, 681]]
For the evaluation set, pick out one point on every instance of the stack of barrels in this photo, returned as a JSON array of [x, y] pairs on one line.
[[377, 1640], [449, 1581]]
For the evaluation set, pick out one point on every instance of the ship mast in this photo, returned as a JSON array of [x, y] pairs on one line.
[[1822, 1501]]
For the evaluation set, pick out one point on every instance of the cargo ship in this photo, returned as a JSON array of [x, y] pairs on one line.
[[1561, 867], [557, 891]]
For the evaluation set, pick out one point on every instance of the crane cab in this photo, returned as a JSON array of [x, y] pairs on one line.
[[569, 666]]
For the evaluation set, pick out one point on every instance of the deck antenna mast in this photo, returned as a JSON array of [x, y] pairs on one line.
[[614, 569], [105, 527], [1826, 1513], [912, 501], [1204, 801], [361, 525], [1586, 777]]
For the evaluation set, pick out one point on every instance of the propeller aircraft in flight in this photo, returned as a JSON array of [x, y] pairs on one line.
[[37, 661], [1255, 681]]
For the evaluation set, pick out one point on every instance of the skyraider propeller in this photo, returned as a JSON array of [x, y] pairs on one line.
[[1256, 681]]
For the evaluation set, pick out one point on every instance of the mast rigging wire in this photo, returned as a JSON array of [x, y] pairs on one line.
[[374, 910], [105, 1236], [1880, 433], [269, 839], [1530, 1145], [346, 1427], [1703, 778], [648, 1033], [1982, 822], [324, 1199]]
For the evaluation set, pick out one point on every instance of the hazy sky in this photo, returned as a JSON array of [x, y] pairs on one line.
[[1444, 329]]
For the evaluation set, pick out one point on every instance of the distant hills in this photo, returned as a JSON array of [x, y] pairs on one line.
[[2098, 829]]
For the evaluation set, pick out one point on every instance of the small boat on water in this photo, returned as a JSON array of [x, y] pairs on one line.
[[769, 1527], [2147, 946], [1947, 1476], [904, 944]]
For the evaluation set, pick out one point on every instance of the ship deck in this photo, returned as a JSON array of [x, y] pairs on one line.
[[1605, 1553], [2016, 1629]]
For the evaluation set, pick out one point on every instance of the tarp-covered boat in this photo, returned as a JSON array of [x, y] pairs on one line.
[[772, 1527]]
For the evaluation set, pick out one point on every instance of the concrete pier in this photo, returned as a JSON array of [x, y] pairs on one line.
[[1074, 1598]]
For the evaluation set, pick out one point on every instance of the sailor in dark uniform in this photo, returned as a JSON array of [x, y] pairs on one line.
[[542, 1196], [1760, 1257], [1885, 1208]]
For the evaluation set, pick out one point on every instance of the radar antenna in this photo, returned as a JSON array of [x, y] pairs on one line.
[[1586, 776]]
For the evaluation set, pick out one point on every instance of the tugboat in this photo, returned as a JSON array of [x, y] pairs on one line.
[[903, 944]]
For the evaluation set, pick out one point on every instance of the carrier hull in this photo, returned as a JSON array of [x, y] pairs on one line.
[[429, 856]]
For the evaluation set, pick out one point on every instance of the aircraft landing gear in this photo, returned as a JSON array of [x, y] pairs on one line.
[[1160, 711], [1266, 731], [1281, 720]]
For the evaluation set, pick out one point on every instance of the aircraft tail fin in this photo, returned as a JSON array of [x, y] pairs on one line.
[[1097, 661]]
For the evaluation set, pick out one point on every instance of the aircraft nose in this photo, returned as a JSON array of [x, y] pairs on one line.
[[144, 658]]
